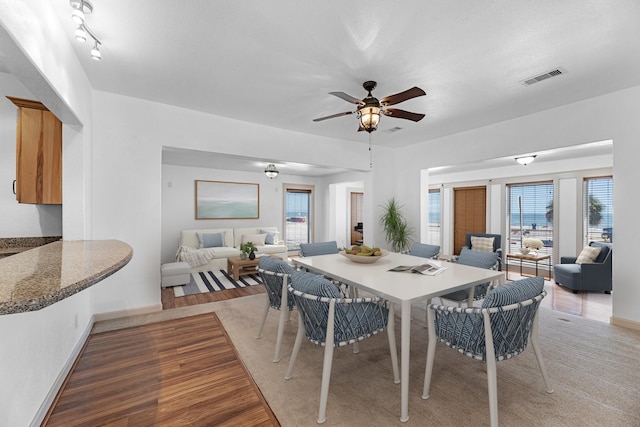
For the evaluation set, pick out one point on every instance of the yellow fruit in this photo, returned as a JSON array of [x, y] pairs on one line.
[[365, 248], [364, 253], [377, 253], [355, 252]]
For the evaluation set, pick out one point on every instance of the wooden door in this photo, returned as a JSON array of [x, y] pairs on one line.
[[470, 214], [356, 218]]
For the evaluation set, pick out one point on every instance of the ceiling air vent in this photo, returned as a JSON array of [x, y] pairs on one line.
[[545, 76]]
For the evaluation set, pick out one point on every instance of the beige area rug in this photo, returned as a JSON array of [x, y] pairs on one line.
[[593, 367]]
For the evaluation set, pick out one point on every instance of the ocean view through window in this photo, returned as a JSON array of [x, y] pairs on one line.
[[530, 216]]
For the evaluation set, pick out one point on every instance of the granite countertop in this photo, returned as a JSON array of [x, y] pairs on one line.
[[39, 277]]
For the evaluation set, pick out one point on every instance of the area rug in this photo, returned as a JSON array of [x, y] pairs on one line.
[[592, 366], [211, 281]]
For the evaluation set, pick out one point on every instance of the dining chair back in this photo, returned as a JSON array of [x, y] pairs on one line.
[[488, 260], [319, 248], [328, 320], [276, 275], [425, 250], [499, 330]]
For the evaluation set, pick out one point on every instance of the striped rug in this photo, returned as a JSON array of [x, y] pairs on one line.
[[211, 281]]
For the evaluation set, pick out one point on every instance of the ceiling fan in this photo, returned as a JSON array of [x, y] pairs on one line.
[[370, 108]]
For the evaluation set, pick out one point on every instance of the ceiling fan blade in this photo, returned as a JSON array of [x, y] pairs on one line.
[[346, 113], [347, 98], [402, 114], [402, 96]]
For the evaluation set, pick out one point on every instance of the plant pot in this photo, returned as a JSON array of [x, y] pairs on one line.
[[243, 256], [252, 255]]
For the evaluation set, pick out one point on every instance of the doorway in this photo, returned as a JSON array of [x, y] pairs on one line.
[[298, 207], [355, 223]]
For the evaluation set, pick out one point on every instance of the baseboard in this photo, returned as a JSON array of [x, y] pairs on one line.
[[61, 378], [625, 323], [126, 313]]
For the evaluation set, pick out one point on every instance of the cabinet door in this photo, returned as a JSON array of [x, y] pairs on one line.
[[38, 157]]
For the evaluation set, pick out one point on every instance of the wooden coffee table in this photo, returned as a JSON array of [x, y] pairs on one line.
[[237, 266]]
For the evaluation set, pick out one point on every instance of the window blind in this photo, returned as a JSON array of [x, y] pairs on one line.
[[434, 221], [531, 215], [597, 209]]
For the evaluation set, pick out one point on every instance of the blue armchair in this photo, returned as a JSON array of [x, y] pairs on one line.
[[497, 244], [589, 276]]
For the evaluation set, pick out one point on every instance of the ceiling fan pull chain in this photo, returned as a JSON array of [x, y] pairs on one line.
[[370, 153]]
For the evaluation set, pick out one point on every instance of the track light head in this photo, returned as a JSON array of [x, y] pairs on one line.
[[81, 35], [95, 52]]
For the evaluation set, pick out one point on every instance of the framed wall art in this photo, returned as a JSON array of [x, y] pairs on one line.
[[227, 200]]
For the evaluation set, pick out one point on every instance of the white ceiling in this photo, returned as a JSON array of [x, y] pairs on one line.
[[274, 62]]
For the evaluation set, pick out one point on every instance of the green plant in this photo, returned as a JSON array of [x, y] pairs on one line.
[[397, 230], [248, 247]]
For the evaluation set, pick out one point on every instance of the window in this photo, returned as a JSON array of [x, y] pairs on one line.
[[531, 215], [597, 208], [434, 223], [298, 208]]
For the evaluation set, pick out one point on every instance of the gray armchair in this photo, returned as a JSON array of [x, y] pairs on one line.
[[497, 244], [592, 276], [425, 250]]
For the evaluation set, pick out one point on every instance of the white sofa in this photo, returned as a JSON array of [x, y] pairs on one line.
[[232, 240]]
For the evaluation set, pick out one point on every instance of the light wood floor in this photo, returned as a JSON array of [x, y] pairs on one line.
[[186, 372]]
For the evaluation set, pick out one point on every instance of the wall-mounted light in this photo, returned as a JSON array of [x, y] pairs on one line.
[[271, 171], [82, 8], [525, 160]]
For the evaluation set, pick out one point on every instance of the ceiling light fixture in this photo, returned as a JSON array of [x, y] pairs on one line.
[[81, 8], [525, 160], [271, 171]]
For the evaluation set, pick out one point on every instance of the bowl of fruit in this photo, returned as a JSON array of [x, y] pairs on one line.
[[363, 254]]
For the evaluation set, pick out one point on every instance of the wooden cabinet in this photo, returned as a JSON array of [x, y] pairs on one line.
[[38, 154]]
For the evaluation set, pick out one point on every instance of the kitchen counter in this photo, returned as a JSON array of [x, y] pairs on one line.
[[39, 277]]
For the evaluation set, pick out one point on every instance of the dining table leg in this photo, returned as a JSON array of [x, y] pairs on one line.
[[405, 337]]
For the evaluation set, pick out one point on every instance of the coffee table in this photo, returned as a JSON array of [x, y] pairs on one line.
[[237, 266]]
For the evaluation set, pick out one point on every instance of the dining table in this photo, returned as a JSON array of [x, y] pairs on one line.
[[403, 288]]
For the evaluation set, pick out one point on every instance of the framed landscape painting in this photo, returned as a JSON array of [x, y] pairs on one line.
[[227, 200]]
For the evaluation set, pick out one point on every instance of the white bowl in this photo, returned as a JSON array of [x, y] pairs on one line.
[[361, 259]]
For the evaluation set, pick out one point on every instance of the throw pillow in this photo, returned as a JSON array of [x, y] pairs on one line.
[[257, 239], [271, 236], [211, 240], [588, 254], [484, 244]]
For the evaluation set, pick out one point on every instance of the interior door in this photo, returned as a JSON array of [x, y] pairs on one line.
[[356, 218], [470, 214]]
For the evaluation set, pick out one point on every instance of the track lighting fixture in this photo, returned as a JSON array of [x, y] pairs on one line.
[[82, 8]]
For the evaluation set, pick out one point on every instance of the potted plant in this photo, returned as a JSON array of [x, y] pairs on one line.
[[397, 230], [248, 248]]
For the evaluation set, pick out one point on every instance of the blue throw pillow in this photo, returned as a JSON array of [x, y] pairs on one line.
[[211, 240], [271, 237]]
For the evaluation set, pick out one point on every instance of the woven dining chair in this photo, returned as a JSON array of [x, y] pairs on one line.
[[499, 330], [480, 259], [328, 320], [425, 250], [276, 275]]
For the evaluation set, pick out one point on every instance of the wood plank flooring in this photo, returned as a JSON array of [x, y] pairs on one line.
[[182, 372]]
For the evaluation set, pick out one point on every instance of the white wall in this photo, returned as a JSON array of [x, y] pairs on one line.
[[19, 219], [178, 201]]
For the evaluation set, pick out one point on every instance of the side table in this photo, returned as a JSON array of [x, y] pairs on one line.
[[530, 259]]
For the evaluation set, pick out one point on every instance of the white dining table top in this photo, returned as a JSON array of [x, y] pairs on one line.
[[398, 286]]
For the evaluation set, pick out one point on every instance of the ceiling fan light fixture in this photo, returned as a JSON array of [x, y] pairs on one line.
[[369, 118], [95, 52], [271, 171], [525, 160]]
